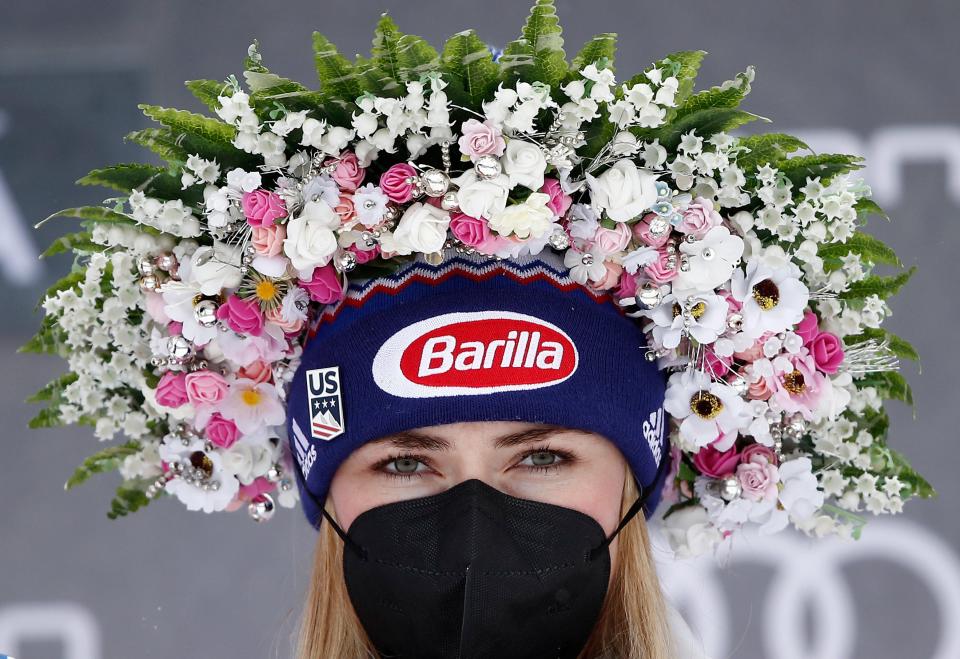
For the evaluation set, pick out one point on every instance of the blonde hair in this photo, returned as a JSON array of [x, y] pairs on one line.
[[632, 623]]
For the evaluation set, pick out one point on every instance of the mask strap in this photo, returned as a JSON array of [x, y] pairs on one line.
[[634, 507], [347, 540]]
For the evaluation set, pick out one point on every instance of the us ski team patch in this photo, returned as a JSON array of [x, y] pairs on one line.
[[326, 404]]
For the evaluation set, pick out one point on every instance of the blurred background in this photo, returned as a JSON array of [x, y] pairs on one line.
[[874, 78]]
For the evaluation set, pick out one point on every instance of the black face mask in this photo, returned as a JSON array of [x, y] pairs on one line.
[[473, 572]]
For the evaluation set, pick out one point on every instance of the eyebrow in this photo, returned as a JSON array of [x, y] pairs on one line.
[[413, 440]]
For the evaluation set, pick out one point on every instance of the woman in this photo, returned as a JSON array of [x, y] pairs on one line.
[[635, 620], [526, 489]]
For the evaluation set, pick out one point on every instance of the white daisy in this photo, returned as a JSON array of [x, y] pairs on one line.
[[701, 316], [704, 408], [773, 299]]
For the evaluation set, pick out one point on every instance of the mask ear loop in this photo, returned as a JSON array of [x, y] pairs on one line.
[[347, 540], [634, 507]]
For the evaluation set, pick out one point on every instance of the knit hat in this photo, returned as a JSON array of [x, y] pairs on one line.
[[473, 338]]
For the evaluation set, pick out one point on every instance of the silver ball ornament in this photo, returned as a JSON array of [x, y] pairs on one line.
[[730, 488], [205, 311], [179, 347], [488, 167], [261, 508], [166, 262], [650, 295], [145, 265], [434, 182], [449, 201]]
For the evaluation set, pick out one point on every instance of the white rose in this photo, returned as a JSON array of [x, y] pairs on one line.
[[215, 268], [310, 240], [479, 197], [532, 218], [524, 163], [423, 228], [623, 191], [690, 533]]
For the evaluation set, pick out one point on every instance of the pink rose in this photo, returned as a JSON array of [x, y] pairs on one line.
[[480, 139], [718, 366], [827, 351], [641, 231], [257, 370], [171, 390], [659, 271], [220, 431], [205, 387], [275, 316], [324, 286], [364, 255], [345, 208], [348, 174], [268, 241], [754, 352], [628, 285], [807, 328], [610, 278], [242, 316], [611, 241], [758, 479], [396, 183], [469, 230], [262, 207], [699, 217], [716, 464], [755, 452], [559, 200], [759, 390]]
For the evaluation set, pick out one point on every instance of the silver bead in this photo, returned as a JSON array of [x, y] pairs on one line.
[[735, 322], [730, 488], [145, 265], [261, 508], [706, 253], [587, 258], [559, 239], [205, 311], [740, 385], [286, 484], [433, 258], [179, 347], [275, 472], [434, 182], [149, 282], [347, 261], [658, 227], [166, 261], [488, 167], [449, 201], [650, 295]]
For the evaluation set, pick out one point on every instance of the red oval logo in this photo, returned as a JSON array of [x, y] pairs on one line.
[[490, 352]]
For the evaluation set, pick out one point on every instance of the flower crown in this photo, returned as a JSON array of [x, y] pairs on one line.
[[184, 314]]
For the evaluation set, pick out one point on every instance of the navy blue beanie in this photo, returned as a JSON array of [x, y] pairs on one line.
[[473, 338]]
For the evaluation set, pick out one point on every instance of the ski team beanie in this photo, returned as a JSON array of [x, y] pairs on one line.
[[474, 338]]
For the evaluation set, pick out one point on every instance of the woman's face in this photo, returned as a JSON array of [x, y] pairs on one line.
[[565, 467]]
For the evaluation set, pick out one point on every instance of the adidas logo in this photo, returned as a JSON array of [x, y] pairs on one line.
[[653, 432], [306, 452]]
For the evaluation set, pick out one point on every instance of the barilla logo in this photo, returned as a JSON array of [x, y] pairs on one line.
[[474, 353]]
